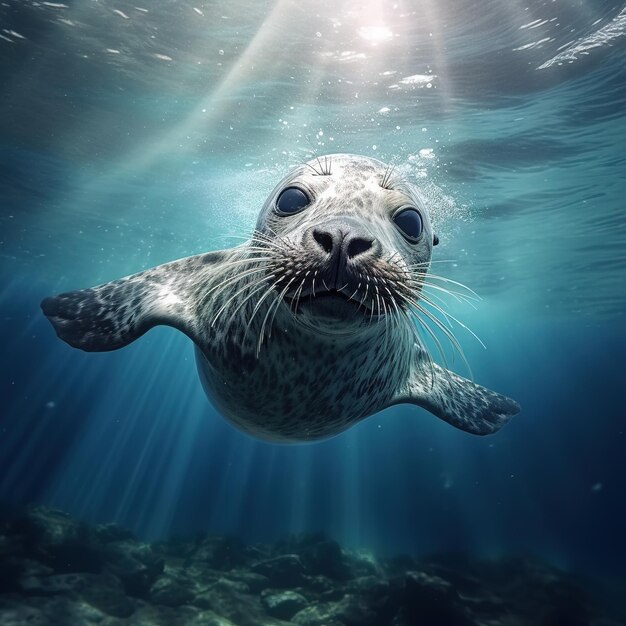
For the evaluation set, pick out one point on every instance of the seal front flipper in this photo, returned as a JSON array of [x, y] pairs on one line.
[[458, 401], [113, 315]]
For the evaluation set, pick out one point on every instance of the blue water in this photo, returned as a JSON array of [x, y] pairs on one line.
[[132, 137]]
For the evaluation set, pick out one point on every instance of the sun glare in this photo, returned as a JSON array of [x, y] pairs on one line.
[[375, 34]]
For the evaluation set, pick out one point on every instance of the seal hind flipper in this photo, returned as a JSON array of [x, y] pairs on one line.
[[458, 401], [114, 314]]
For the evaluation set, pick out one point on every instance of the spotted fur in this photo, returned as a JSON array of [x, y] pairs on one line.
[[295, 342]]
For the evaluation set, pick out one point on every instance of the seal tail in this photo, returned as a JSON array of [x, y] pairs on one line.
[[458, 401]]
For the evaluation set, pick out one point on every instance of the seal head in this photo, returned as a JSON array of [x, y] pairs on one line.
[[347, 232]]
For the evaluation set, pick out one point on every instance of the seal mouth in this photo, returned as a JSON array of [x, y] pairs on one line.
[[330, 303]]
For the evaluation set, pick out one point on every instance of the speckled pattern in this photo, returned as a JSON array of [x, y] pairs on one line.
[[303, 331], [456, 400]]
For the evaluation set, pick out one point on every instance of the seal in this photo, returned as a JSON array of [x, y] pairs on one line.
[[309, 326]]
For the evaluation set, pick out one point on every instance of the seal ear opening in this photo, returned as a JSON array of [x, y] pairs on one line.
[[435, 240]]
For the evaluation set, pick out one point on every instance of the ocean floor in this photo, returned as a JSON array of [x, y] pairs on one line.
[[59, 571]]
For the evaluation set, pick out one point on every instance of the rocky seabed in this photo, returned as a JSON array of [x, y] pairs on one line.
[[55, 570]]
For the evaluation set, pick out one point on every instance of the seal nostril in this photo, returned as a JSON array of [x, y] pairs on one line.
[[325, 240], [357, 246]]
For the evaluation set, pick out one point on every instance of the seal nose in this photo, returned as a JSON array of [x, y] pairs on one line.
[[325, 240], [357, 245], [337, 241]]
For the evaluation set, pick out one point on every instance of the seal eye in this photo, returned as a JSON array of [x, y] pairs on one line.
[[291, 200], [409, 221]]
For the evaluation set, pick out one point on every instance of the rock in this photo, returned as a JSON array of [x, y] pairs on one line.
[[326, 558], [172, 589], [232, 600], [349, 611], [456, 569], [321, 614], [202, 576], [375, 593], [258, 552], [362, 563], [55, 611], [106, 533], [135, 564], [16, 573], [319, 555], [208, 618], [55, 571], [283, 604], [255, 582], [221, 553], [14, 612], [324, 587], [177, 549], [426, 599], [161, 615], [104, 592], [55, 539], [354, 610], [536, 591], [486, 604], [369, 585], [433, 585], [284, 571], [222, 589]]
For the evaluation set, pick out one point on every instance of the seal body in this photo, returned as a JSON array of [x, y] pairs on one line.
[[306, 387], [308, 327]]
